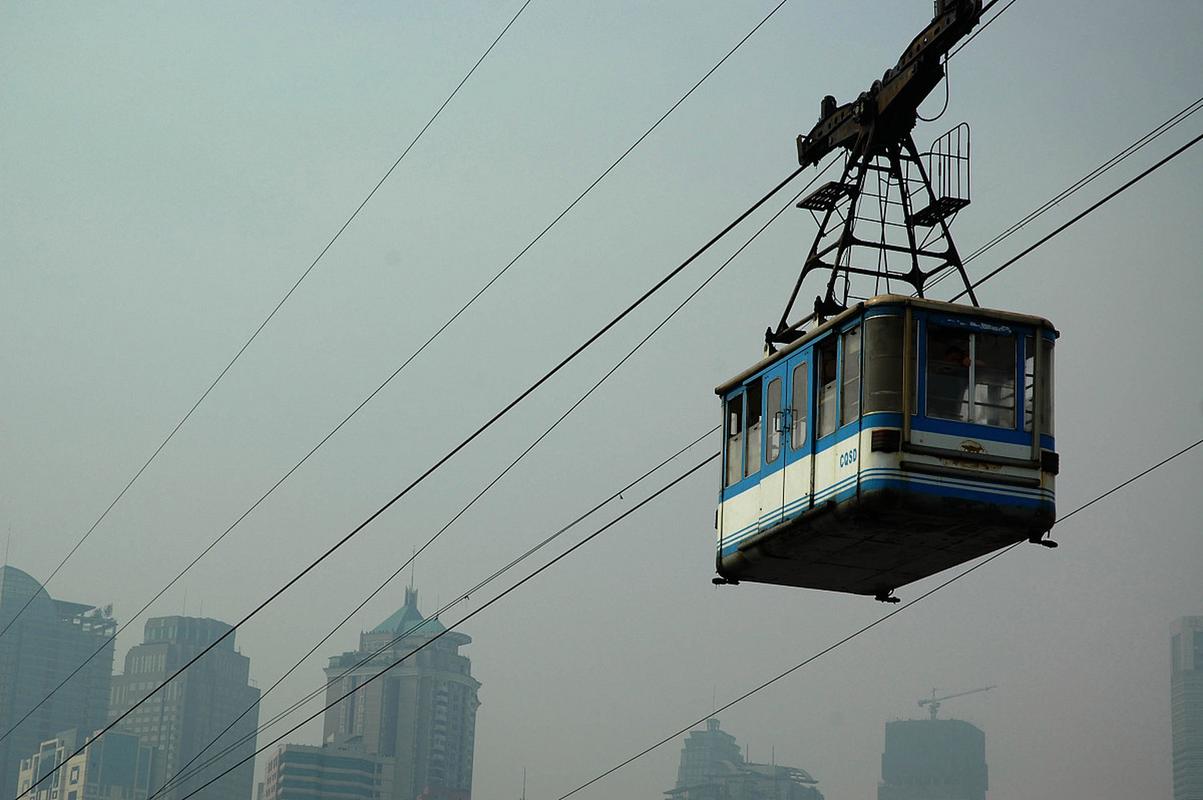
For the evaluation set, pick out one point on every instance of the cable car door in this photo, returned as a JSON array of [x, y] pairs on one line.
[[799, 447], [776, 423]]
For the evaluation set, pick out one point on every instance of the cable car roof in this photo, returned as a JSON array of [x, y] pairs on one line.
[[884, 300]]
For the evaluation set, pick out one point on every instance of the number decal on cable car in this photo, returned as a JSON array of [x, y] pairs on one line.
[[848, 458]]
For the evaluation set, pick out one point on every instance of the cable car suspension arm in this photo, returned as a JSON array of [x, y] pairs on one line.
[[875, 131]]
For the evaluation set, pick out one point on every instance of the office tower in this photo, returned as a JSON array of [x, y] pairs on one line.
[[185, 717], [933, 759], [712, 768], [1186, 706], [46, 643], [117, 766], [420, 713], [334, 772]]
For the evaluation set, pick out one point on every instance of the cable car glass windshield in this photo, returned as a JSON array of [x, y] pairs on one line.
[[827, 386], [948, 362], [850, 396], [883, 364], [994, 380], [735, 432], [752, 441], [772, 401], [798, 412], [1045, 383]]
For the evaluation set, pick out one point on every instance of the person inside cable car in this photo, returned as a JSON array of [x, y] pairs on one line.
[[948, 378]]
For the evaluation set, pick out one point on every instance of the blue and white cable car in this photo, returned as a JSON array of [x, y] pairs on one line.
[[899, 438]]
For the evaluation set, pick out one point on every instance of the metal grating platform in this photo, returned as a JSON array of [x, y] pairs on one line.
[[942, 208], [826, 196]]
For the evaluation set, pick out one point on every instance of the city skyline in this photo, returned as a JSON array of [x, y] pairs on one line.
[[407, 629], [171, 172]]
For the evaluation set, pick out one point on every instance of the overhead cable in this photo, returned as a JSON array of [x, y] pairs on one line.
[[440, 462], [184, 773], [416, 353], [462, 620], [810, 659], [512, 464], [1079, 216], [985, 24], [1143, 141], [978, 283], [213, 384]]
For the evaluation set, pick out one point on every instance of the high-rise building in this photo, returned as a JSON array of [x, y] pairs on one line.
[[933, 759], [712, 768], [186, 717], [421, 713], [1186, 706], [46, 642], [336, 772], [117, 766]]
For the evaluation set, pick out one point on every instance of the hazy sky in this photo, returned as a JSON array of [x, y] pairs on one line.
[[168, 170]]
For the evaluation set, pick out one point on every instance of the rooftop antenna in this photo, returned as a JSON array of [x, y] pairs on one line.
[[524, 783], [413, 567]]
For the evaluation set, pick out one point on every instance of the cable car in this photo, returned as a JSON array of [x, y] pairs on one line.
[[882, 441], [897, 439]]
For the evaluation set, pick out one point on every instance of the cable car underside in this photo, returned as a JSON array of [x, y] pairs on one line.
[[879, 541]]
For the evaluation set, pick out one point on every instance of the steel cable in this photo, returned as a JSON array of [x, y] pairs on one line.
[[411, 357], [263, 325], [438, 464], [810, 659], [623, 360]]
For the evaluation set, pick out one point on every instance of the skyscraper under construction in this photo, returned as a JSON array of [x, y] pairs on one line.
[[933, 759]]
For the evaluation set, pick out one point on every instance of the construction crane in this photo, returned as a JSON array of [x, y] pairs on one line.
[[933, 702]]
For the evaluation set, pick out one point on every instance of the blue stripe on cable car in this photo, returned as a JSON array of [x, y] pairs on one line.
[[891, 478]]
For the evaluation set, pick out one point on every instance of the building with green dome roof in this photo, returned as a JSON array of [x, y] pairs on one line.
[[420, 714]]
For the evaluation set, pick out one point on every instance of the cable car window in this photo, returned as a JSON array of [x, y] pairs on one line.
[[775, 419], [827, 386], [1045, 382], [883, 364], [1029, 382], [994, 380], [913, 400], [752, 440], [948, 362], [850, 394], [735, 442], [800, 406]]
